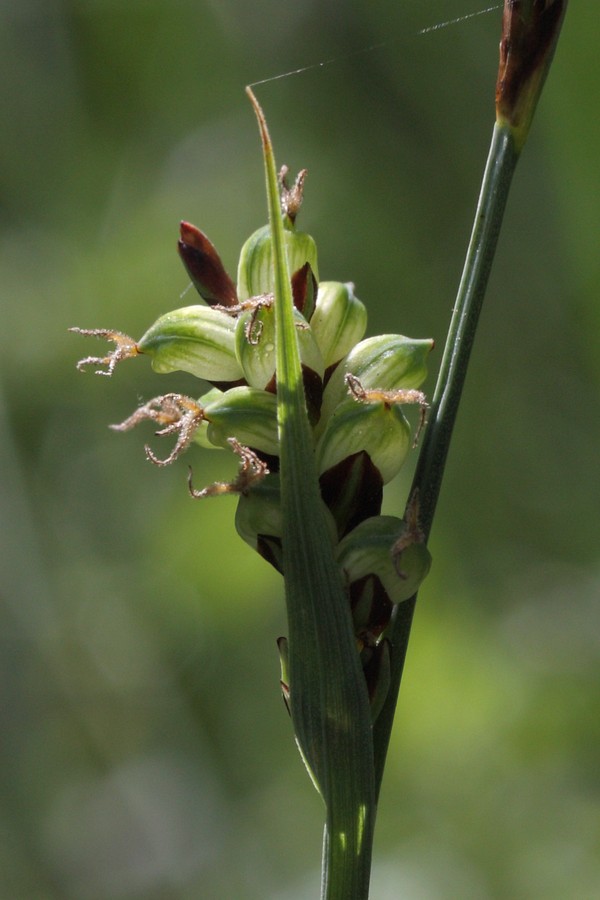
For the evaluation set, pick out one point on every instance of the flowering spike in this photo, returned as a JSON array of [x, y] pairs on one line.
[[125, 348], [314, 414]]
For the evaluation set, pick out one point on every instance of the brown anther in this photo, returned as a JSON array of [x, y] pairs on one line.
[[291, 197], [259, 302], [253, 329], [252, 470], [412, 534], [389, 398], [176, 414], [375, 395], [421, 425], [125, 348]]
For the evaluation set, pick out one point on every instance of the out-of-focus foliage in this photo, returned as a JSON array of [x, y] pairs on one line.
[[145, 751]]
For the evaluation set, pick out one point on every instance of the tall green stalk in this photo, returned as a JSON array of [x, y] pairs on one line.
[[427, 481], [530, 32]]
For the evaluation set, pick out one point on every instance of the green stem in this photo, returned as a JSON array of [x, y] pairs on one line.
[[502, 159], [328, 697], [495, 188]]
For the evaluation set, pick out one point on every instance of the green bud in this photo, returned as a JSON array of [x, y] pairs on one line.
[[376, 428], [195, 339], [339, 320], [255, 345], [255, 269], [258, 520], [248, 415], [387, 362], [367, 550]]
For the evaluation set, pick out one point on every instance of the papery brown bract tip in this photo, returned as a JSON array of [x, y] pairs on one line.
[[203, 265], [530, 30], [291, 197]]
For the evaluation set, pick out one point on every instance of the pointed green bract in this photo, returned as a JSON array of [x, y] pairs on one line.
[[329, 703]]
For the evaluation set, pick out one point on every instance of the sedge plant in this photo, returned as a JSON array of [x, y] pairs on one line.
[[316, 414]]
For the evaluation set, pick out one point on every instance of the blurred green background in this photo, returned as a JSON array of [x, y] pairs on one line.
[[144, 748]]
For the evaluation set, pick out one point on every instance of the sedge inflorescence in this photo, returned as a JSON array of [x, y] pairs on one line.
[[355, 390]]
